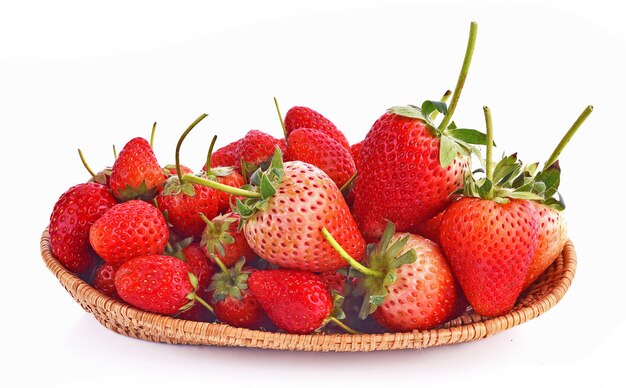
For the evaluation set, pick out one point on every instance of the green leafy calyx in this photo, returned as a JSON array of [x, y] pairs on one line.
[[231, 283]]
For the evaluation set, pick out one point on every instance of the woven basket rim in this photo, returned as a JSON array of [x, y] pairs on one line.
[[133, 322]]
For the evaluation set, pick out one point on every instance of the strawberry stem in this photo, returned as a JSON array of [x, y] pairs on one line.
[[346, 256], [221, 187], [180, 142], [348, 183], [207, 166], [82, 159], [152, 135], [444, 98], [568, 136], [489, 157], [462, 76], [204, 303], [114, 152], [347, 328], [280, 117]]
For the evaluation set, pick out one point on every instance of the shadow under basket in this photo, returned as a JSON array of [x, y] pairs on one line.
[[542, 295]]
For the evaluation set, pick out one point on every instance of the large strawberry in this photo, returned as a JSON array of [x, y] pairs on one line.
[[232, 300], [183, 202], [409, 165], [296, 301], [287, 207], [222, 239], [158, 284], [407, 285], [136, 173], [128, 230], [303, 117], [489, 235], [73, 215]]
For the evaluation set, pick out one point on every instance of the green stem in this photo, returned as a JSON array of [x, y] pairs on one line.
[[82, 159], [462, 76], [347, 185], [347, 328], [114, 152], [444, 98], [152, 135], [180, 142], [346, 256], [568, 136], [489, 161], [280, 117], [221, 187], [207, 166], [204, 303]]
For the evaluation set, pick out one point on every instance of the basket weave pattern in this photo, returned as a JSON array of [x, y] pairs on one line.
[[546, 292]]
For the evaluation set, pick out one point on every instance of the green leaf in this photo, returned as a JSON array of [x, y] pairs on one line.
[[447, 151], [267, 189], [485, 188], [188, 189], [247, 169], [277, 160], [556, 204], [408, 111], [193, 279], [430, 106], [452, 125], [407, 257], [470, 136], [397, 246], [524, 195], [377, 300]]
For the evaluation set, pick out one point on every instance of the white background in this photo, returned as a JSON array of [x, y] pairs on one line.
[[74, 75]]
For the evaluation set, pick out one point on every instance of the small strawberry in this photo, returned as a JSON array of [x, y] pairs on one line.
[[303, 117], [296, 301], [233, 302], [225, 175], [286, 207], [334, 281], [128, 230], [222, 238], [489, 235], [409, 166], [73, 215], [191, 253], [170, 170], [104, 280], [158, 284], [315, 147], [184, 202], [408, 284], [257, 147], [227, 156], [136, 173]]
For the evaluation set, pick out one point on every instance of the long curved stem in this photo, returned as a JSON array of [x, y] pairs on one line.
[[462, 76], [347, 328], [346, 256], [82, 159], [489, 156], [568, 136], [207, 166], [221, 187], [204, 303], [280, 117], [152, 135], [180, 142]]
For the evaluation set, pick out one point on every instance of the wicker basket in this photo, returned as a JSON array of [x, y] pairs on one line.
[[132, 322]]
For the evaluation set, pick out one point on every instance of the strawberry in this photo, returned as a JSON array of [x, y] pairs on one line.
[[409, 165], [227, 156], [170, 170], [191, 253], [355, 151], [408, 284], [184, 202], [233, 302], [430, 228], [315, 147], [303, 117], [225, 175], [222, 239], [295, 301], [128, 230], [136, 173], [158, 284], [257, 147], [73, 214], [334, 281], [104, 280], [286, 208], [489, 235]]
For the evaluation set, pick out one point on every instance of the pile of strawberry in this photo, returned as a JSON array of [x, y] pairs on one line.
[[271, 233]]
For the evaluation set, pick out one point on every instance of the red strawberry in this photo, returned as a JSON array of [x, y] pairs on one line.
[[170, 170], [355, 151], [73, 214], [233, 302], [409, 166], [227, 156], [334, 281], [430, 228], [104, 280], [136, 173], [257, 147], [158, 284], [222, 238], [303, 117], [296, 301], [286, 208], [128, 230], [315, 147], [225, 175], [199, 263], [489, 240], [408, 284]]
